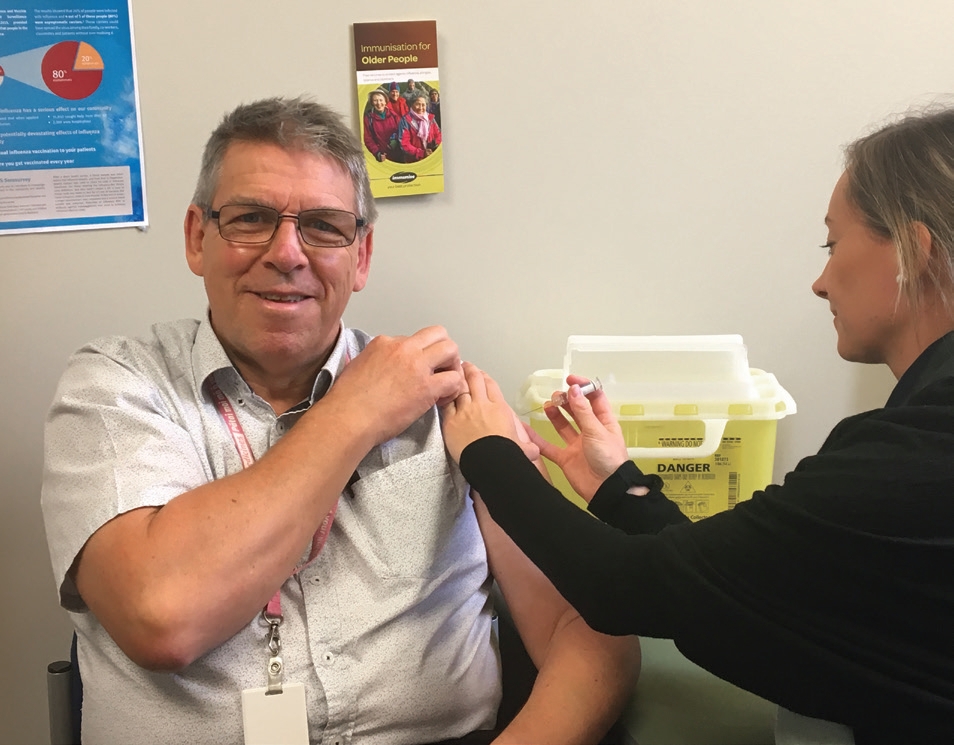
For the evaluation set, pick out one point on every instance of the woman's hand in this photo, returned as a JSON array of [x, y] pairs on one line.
[[594, 450], [479, 411]]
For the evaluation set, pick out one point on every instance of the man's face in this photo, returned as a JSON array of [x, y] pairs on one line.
[[278, 303], [395, 94]]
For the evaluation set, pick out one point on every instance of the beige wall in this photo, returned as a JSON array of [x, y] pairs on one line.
[[651, 167]]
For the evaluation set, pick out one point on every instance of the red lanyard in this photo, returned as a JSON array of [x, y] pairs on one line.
[[274, 607]]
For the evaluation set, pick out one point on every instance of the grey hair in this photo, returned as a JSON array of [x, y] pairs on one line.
[[903, 174], [293, 124]]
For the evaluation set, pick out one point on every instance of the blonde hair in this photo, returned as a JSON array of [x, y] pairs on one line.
[[901, 175]]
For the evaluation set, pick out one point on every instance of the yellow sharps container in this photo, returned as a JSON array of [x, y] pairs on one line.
[[690, 407]]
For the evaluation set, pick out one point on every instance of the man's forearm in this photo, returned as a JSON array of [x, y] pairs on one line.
[[171, 583], [580, 690]]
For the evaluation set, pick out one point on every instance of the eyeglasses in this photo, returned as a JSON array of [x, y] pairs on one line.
[[252, 223]]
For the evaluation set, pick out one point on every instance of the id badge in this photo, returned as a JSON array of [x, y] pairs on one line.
[[276, 718]]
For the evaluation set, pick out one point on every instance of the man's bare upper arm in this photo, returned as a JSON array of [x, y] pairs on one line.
[[538, 610]]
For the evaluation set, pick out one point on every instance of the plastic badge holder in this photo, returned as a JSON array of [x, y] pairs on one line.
[[690, 407]]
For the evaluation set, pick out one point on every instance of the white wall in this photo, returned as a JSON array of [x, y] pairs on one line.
[[649, 167]]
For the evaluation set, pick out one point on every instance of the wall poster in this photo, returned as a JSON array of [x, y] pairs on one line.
[[70, 134]]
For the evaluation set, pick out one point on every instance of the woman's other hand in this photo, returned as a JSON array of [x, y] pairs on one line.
[[479, 411]]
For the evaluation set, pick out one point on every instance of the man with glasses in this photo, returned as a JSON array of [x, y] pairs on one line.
[[252, 517]]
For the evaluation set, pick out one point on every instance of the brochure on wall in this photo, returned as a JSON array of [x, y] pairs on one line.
[[70, 137], [399, 106]]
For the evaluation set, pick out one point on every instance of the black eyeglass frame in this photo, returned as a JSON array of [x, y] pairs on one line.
[[359, 222]]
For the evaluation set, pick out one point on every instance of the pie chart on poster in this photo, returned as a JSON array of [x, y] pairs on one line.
[[72, 69]]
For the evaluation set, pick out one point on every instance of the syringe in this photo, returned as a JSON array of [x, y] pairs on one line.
[[562, 399]]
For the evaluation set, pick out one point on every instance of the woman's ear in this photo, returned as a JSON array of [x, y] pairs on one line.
[[925, 245]]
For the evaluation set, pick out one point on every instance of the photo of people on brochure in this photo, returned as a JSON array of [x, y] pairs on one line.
[[401, 121]]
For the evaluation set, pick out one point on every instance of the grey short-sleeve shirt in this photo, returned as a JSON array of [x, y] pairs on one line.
[[388, 629]]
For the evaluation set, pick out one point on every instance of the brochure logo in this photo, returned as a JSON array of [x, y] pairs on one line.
[[403, 177]]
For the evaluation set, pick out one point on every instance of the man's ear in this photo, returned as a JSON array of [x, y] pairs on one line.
[[194, 228], [365, 249]]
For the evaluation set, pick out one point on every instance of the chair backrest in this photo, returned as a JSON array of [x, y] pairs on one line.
[[64, 690]]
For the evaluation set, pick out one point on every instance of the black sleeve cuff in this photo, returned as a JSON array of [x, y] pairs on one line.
[[623, 478], [634, 514]]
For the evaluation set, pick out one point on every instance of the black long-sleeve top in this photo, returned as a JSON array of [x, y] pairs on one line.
[[831, 594]]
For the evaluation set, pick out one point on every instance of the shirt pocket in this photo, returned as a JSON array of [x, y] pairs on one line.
[[401, 518]]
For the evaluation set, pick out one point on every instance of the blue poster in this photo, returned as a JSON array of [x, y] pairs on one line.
[[70, 134]]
